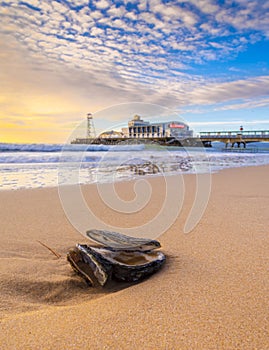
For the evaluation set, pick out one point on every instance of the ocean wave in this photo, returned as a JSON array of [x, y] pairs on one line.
[[26, 158], [30, 169], [33, 147]]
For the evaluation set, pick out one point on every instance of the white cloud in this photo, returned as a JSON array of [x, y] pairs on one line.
[[131, 15], [142, 5], [96, 31], [206, 6], [102, 4], [137, 52], [228, 123], [116, 11], [257, 103], [78, 2], [227, 91]]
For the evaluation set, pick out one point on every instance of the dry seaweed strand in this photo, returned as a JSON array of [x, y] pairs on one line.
[[50, 249]]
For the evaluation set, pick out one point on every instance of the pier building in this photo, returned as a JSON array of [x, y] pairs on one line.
[[138, 128]]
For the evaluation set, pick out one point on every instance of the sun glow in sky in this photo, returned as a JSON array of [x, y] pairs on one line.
[[59, 60]]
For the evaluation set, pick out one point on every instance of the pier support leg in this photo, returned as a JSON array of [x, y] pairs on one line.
[[244, 144], [233, 145], [238, 144]]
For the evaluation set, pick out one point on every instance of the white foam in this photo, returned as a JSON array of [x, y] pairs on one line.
[[29, 169], [14, 147]]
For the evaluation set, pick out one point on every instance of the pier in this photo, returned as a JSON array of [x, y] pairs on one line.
[[234, 137], [171, 133], [229, 138]]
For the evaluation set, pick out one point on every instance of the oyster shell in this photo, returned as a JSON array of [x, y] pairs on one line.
[[99, 265]]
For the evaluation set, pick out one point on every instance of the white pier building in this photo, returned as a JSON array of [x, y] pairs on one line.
[[138, 128]]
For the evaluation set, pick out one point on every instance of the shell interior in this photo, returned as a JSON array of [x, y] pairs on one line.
[[133, 258]]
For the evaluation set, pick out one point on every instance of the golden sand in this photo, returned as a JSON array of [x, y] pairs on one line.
[[211, 294]]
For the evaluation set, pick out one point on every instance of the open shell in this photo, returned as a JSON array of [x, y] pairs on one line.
[[122, 258]]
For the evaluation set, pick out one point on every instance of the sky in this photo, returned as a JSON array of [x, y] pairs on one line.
[[206, 61]]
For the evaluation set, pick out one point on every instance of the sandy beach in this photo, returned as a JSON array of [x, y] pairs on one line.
[[211, 294]]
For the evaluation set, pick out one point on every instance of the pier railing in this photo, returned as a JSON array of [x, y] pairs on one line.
[[262, 134], [234, 137]]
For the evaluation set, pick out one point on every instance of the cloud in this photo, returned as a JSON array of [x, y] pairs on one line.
[[104, 52], [11, 121], [167, 30], [102, 4], [229, 123], [228, 91], [257, 103]]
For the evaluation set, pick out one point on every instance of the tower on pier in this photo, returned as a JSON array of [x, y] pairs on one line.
[[90, 126]]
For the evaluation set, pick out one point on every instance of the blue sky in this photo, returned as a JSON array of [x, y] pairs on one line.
[[206, 60]]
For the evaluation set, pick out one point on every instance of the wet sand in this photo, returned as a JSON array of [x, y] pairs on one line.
[[211, 294]]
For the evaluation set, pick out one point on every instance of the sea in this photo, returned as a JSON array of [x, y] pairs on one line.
[[24, 166]]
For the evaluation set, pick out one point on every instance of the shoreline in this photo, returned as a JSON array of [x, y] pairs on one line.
[[134, 179], [210, 294]]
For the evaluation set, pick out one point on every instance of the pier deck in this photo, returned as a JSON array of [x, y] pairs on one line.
[[234, 137], [206, 138]]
